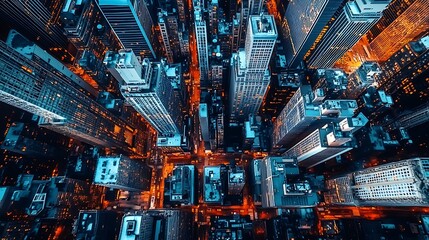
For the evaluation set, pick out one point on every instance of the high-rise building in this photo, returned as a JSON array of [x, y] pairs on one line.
[[202, 43], [303, 24], [356, 18], [256, 7], [32, 80], [249, 68], [324, 143], [168, 25], [37, 19], [281, 186], [243, 21], [410, 119], [123, 173], [157, 224], [282, 87], [182, 11], [213, 12], [132, 23], [30, 140], [362, 78], [162, 24], [304, 112], [404, 74], [230, 227], [236, 30], [411, 23], [146, 87], [401, 183]]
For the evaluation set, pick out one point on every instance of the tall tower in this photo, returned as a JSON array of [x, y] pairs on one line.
[[249, 74], [401, 183], [146, 87], [255, 7], [356, 18], [132, 23], [404, 74], [34, 81], [305, 112], [35, 19], [202, 44], [326, 143], [168, 27], [304, 24], [410, 24]]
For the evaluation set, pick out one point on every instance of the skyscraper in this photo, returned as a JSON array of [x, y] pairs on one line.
[[249, 68], [406, 27], [304, 113], [146, 87], [323, 144], [356, 18], [202, 43], [162, 23], [401, 183], [404, 74], [304, 22], [123, 173], [37, 20], [32, 80], [281, 90], [132, 23]]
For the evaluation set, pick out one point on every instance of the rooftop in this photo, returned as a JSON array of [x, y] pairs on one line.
[[169, 141], [106, 171], [130, 228], [282, 185], [212, 184], [263, 25], [236, 177]]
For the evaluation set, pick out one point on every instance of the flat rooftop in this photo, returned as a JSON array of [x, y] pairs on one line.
[[236, 177], [130, 228], [263, 26], [106, 171], [212, 184], [174, 141]]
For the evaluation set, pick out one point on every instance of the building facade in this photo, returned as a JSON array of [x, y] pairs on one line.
[[412, 22], [356, 18], [146, 87], [323, 144], [303, 24], [401, 183], [202, 44], [305, 112], [249, 68], [36, 82], [132, 23]]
